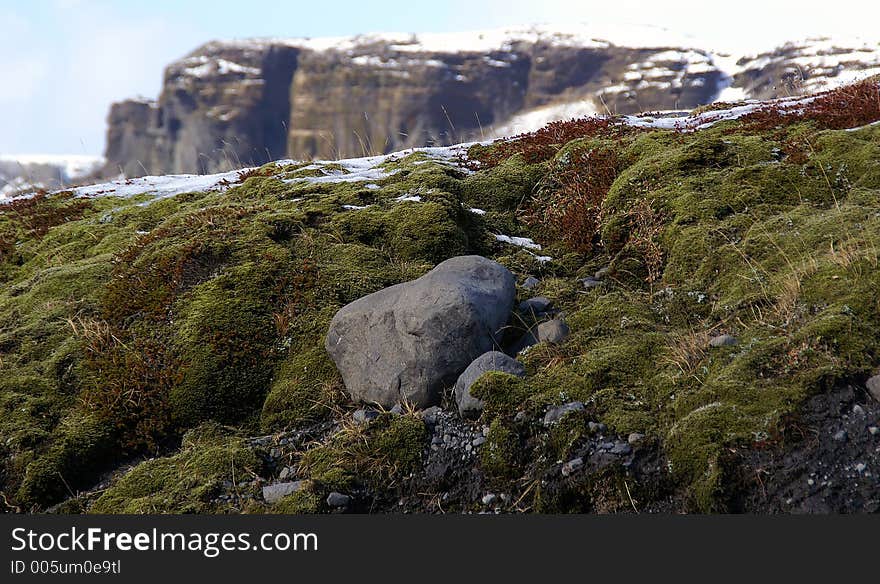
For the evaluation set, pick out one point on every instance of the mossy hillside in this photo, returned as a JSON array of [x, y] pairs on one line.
[[51, 288], [779, 251], [214, 306], [149, 317], [186, 482]]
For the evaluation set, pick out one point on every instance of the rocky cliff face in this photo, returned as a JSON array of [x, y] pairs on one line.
[[224, 105], [231, 104], [806, 67]]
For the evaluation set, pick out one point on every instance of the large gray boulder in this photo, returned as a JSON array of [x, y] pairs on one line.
[[408, 341], [469, 405]]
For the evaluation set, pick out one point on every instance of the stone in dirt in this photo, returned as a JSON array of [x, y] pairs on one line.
[[553, 415], [551, 331], [722, 341], [469, 405], [873, 385], [535, 305], [572, 466], [531, 283], [335, 499], [635, 438], [364, 416], [408, 341], [431, 415], [273, 493]]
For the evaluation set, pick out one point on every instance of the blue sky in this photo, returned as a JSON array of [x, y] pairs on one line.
[[62, 62]]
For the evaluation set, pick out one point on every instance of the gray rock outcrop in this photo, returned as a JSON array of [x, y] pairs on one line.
[[408, 341]]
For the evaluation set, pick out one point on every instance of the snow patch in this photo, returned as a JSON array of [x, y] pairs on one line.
[[161, 187], [537, 118], [517, 241]]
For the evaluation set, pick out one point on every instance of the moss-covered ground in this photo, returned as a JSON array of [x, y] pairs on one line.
[[171, 329]]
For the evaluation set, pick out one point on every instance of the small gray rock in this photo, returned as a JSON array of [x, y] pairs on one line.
[[531, 283], [635, 438], [335, 499], [858, 410], [722, 341], [553, 415], [572, 466], [478, 441], [590, 282], [285, 473], [363, 416], [273, 493], [839, 436], [536, 305], [873, 430], [860, 467], [396, 410], [596, 426], [621, 449], [431, 415], [873, 386], [489, 498], [468, 405], [552, 331], [602, 272]]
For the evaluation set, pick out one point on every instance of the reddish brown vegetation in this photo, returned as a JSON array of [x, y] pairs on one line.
[[36, 215], [846, 107], [243, 175], [647, 225], [543, 144], [568, 207]]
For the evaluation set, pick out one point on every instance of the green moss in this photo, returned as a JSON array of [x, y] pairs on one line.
[[500, 392], [427, 231], [303, 502], [380, 454], [505, 187], [225, 339], [186, 482], [126, 322], [81, 445], [501, 454], [305, 389]]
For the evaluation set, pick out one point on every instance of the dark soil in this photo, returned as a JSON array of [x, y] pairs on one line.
[[828, 462]]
